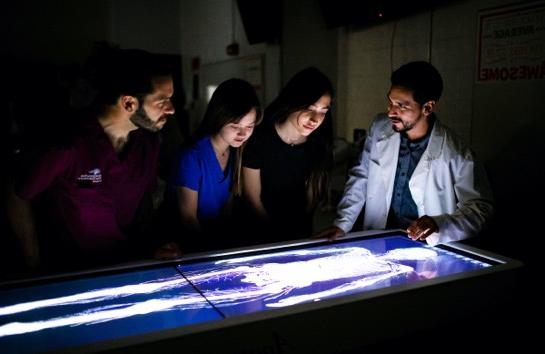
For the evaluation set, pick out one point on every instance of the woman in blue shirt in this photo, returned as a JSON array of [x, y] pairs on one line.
[[207, 172]]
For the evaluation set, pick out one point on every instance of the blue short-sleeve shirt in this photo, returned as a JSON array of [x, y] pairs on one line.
[[198, 169]]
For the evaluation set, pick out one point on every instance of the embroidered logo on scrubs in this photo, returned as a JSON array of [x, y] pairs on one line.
[[93, 176]]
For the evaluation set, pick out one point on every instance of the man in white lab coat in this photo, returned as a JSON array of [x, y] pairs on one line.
[[414, 173]]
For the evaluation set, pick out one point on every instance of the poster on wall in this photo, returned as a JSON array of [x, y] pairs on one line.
[[511, 43]]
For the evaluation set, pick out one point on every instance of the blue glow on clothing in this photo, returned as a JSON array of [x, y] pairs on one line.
[[198, 169]]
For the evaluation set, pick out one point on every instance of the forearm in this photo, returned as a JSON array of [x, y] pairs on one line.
[[187, 207], [467, 221], [252, 192], [258, 208], [191, 223], [354, 196], [348, 211], [473, 203], [22, 222]]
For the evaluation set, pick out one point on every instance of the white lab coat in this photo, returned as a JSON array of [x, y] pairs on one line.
[[447, 184]]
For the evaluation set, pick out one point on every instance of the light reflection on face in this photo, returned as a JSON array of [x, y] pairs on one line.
[[156, 107], [308, 120], [403, 111], [236, 133]]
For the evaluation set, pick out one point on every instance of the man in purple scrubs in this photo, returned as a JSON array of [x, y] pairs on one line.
[[89, 191]]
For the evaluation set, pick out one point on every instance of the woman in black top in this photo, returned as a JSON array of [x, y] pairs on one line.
[[285, 164]]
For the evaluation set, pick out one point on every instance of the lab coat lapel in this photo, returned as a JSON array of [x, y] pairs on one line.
[[419, 178], [387, 152]]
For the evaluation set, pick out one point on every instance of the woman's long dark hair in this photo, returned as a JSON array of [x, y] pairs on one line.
[[231, 101], [301, 91]]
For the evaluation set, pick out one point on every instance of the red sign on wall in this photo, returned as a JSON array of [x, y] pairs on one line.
[[512, 43]]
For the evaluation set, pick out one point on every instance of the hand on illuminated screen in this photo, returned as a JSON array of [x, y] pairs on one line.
[[422, 228]]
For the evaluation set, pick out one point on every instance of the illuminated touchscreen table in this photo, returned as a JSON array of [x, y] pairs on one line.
[[216, 297]]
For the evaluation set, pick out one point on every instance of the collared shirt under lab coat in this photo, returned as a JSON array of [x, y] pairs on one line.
[[447, 184]]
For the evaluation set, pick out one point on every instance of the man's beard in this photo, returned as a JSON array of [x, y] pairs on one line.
[[406, 126], [141, 119]]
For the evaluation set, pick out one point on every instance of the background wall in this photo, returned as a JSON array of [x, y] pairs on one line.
[[53, 31], [500, 120], [446, 36], [306, 40], [207, 28], [149, 25]]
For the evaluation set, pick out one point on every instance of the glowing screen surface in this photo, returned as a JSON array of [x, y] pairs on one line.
[[71, 313], [264, 281]]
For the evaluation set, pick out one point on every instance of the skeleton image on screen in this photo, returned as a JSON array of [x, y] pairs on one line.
[[278, 283]]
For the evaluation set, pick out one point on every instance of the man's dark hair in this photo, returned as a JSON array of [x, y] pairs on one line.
[[112, 72], [421, 78]]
